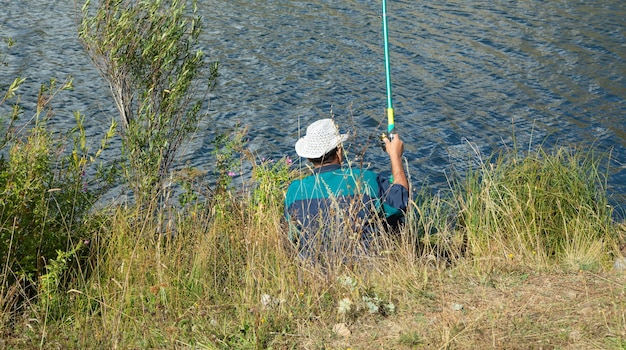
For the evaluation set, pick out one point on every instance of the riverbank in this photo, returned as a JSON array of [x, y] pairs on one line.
[[520, 254]]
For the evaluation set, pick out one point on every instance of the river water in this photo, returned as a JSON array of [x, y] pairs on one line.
[[467, 76]]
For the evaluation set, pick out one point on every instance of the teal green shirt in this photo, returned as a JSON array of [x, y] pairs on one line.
[[341, 199]]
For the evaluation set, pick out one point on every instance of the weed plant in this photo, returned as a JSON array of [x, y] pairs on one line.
[[46, 193]]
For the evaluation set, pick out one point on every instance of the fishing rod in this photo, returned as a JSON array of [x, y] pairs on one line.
[[391, 127], [391, 124]]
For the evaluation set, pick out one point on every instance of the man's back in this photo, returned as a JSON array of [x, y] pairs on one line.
[[333, 207]]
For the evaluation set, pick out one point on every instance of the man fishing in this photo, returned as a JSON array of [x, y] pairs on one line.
[[338, 209]]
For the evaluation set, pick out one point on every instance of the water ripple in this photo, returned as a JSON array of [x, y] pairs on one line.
[[467, 75]]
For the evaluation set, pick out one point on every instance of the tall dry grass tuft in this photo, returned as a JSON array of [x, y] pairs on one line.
[[538, 210]]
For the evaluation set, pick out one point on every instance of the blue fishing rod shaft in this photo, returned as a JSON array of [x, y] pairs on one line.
[[390, 116]]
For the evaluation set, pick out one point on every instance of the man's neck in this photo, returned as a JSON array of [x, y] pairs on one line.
[[326, 164]]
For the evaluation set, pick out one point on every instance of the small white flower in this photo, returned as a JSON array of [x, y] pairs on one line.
[[348, 281], [345, 305], [372, 304], [266, 299]]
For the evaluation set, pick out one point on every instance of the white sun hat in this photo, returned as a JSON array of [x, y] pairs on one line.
[[321, 137]]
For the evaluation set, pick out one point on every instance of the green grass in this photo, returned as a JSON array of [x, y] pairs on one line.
[[539, 210], [518, 255]]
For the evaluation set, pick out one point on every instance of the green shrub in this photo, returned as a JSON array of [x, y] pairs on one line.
[[147, 51], [45, 191]]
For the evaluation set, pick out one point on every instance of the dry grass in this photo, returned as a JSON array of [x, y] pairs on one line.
[[223, 275], [243, 288], [500, 311]]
